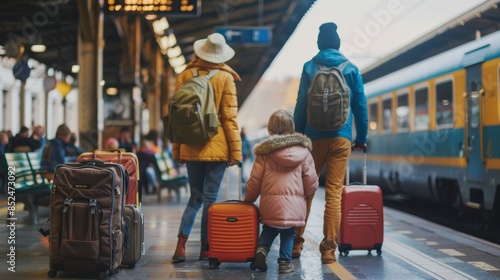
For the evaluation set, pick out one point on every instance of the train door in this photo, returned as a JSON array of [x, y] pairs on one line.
[[474, 135]]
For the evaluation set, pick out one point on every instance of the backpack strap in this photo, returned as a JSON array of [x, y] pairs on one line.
[[321, 66], [340, 67], [343, 65], [210, 74]]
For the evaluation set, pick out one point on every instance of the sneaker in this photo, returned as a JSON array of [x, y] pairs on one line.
[[261, 259], [286, 266]]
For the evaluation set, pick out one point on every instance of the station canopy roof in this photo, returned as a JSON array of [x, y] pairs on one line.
[[55, 23], [480, 21]]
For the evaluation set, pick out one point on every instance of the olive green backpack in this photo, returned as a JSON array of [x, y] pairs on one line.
[[328, 99], [192, 117]]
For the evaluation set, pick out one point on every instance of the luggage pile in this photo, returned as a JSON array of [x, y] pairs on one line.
[[96, 222]]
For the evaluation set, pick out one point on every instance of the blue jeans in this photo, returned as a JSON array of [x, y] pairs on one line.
[[204, 181], [286, 240]]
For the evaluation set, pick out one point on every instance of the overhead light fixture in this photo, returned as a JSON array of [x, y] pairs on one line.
[[36, 43], [160, 25], [179, 69], [111, 91], [75, 68], [174, 52], [151, 17], [172, 40], [38, 48], [164, 43], [177, 61]]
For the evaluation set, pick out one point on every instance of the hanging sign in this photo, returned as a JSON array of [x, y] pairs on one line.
[[21, 70], [171, 8], [246, 35]]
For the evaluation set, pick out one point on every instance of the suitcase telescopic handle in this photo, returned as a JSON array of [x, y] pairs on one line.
[[118, 151], [239, 181], [364, 169]]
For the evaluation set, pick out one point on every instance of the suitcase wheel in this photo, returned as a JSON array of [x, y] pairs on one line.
[[52, 273], [213, 263], [131, 266], [379, 252], [105, 274], [344, 253], [252, 266]]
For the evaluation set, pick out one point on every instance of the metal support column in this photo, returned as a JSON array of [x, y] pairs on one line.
[[90, 48]]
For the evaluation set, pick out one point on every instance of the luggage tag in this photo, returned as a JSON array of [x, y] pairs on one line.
[[43, 231]]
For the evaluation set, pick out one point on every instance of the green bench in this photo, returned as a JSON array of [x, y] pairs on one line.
[[168, 177], [24, 180]]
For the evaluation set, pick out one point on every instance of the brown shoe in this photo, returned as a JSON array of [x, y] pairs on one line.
[[327, 250], [297, 250], [328, 257], [204, 251], [180, 250]]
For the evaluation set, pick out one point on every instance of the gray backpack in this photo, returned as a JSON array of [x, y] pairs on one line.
[[328, 99]]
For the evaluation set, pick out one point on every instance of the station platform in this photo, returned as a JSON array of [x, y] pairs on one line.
[[412, 249]]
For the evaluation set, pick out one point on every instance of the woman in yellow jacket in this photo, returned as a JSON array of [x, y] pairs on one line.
[[207, 163]]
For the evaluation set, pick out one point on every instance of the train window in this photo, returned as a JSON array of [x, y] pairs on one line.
[[473, 105], [421, 121], [373, 121], [444, 104], [387, 115], [403, 112]]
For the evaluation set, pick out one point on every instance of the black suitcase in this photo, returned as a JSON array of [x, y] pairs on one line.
[[134, 247], [86, 218]]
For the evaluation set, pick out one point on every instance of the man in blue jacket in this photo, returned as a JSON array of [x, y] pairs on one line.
[[331, 149]]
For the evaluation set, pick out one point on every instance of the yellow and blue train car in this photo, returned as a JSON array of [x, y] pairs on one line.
[[434, 128]]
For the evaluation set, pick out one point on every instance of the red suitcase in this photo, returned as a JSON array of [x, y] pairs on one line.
[[128, 160], [233, 230], [362, 224]]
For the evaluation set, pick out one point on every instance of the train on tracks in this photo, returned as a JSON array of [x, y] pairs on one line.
[[434, 129]]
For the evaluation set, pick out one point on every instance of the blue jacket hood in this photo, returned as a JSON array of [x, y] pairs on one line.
[[331, 58]]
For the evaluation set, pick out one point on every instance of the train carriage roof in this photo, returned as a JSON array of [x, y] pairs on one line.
[[483, 20], [485, 48]]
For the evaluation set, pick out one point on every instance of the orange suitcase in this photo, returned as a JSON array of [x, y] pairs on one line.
[[233, 231], [128, 160], [362, 224]]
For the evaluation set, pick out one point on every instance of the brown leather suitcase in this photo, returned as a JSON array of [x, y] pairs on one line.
[[128, 160], [134, 247], [86, 214]]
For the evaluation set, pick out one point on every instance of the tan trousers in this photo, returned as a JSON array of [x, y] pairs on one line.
[[333, 154]]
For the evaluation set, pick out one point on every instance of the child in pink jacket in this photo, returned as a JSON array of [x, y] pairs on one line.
[[284, 176]]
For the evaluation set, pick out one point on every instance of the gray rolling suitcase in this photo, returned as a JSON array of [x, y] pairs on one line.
[[134, 246]]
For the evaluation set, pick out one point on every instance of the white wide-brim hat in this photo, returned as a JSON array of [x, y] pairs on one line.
[[213, 49]]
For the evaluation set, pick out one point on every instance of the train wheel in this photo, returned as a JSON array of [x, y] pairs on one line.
[[458, 205]]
